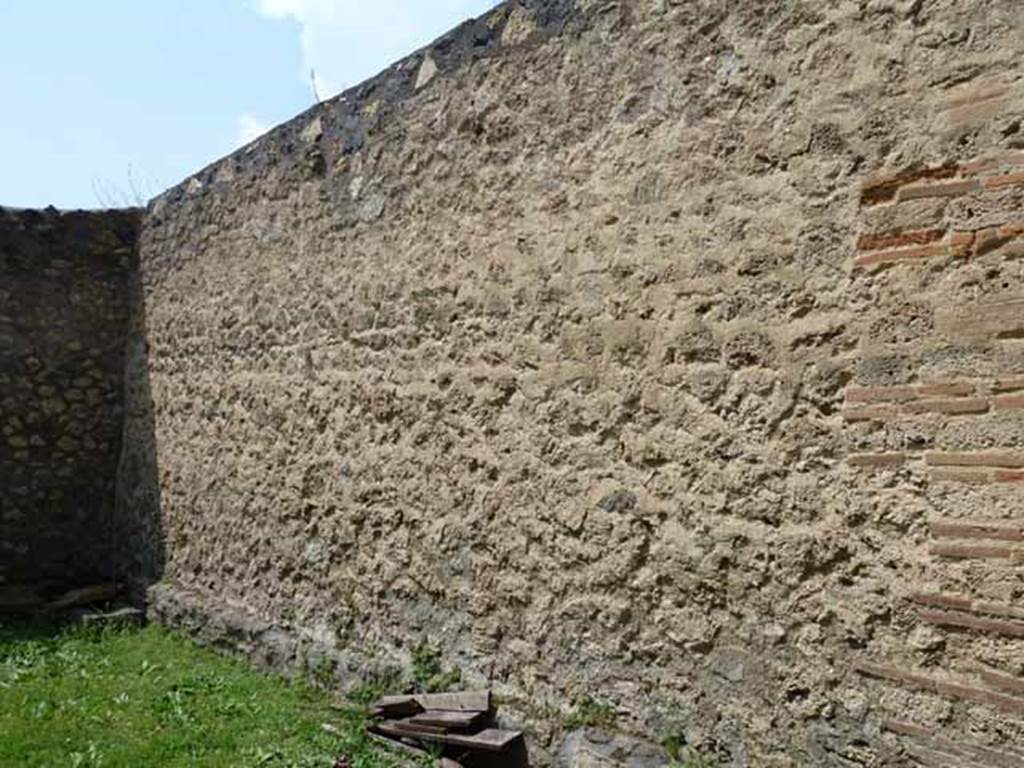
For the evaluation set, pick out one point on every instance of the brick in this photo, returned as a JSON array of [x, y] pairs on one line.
[[1009, 384], [1000, 182], [947, 189], [1006, 459], [943, 601], [979, 112], [868, 413], [962, 238], [980, 166], [884, 190], [948, 753], [945, 529], [1012, 229], [957, 475], [946, 389], [1009, 476], [1005, 683], [1001, 701], [902, 254], [967, 405], [950, 688], [894, 674], [999, 609], [973, 551], [1008, 402], [877, 242], [908, 729], [989, 757], [978, 96], [877, 460], [880, 394], [936, 758], [990, 239]]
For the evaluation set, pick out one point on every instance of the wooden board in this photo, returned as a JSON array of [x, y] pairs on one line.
[[490, 739], [450, 720], [474, 701], [395, 706], [417, 729], [494, 739]]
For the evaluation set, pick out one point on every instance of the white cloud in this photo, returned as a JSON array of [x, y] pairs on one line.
[[251, 128], [347, 41]]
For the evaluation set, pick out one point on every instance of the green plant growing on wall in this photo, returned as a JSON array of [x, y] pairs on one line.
[[428, 672], [590, 712], [693, 760], [323, 671], [378, 683], [682, 756]]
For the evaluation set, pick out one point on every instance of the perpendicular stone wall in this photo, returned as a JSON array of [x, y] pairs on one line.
[[64, 286], [667, 352]]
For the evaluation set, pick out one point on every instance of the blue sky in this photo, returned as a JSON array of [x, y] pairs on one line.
[[109, 101]]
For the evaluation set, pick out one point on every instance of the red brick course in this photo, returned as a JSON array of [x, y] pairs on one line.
[[1007, 459], [899, 239], [949, 688], [868, 413], [999, 182], [952, 407], [972, 551], [989, 757], [910, 254], [970, 621], [885, 190], [1007, 402], [969, 529], [962, 475], [1009, 384]]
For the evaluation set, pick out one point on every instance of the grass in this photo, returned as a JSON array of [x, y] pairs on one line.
[[82, 698], [427, 672], [590, 712]]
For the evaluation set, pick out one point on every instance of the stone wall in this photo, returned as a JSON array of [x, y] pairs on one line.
[[666, 352], [64, 287]]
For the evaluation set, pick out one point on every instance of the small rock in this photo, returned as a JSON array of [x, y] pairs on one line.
[[428, 70], [519, 27], [312, 132]]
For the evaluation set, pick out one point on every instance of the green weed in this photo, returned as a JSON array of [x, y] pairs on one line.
[[590, 712], [427, 671]]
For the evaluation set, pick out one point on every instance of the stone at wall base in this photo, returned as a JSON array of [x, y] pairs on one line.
[[596, 748], [122, 617]]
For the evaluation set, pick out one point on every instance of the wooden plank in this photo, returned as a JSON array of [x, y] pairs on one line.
[[449, 720], [395, 706], [494, 739], [489, 740], [473, 701], [417, 729]]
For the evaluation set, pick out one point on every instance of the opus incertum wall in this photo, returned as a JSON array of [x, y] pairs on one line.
[[64, 303], [666, 352]]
